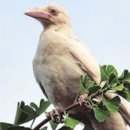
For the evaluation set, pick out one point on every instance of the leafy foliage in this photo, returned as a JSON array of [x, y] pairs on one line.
[[110, 81], [101, 107], [7, 126], [26, 113], [100, 115], [70, 122], [112, 105], [53, 125]]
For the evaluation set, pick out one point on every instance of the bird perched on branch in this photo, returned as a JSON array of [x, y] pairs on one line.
[[59, 62]]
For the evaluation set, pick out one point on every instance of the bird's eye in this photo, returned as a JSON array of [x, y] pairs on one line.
[[53, 12]]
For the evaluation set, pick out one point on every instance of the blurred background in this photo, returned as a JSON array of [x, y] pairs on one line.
[[104, 26]]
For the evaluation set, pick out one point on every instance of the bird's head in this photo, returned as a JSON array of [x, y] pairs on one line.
[[49, 15]]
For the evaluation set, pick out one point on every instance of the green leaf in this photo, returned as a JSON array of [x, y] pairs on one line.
[[19, 128], [128, 96], [81, 88], [65, 128], [125, 93], [125, 76], [112, 105], [94, 89], [118, 88], [106, 71], [26, 113], [101, 115], [43, 106], [5, 126], [104, 76], [45, 128], [84, 79], [70, 122], [110, 69], [33, 105], [112, 78], [53, 125], [85, 84], [89, 84]]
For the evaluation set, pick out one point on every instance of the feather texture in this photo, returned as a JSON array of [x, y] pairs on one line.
[[59, 62]]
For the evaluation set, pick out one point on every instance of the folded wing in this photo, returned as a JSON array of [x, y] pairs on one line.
[[91, 67]]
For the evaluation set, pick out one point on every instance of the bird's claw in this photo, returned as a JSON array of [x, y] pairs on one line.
[[82, 100], [84, 103], [55, 115]]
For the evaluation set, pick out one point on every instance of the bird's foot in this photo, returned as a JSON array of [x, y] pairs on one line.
[[55, 115], [82, 99], [83, 102]]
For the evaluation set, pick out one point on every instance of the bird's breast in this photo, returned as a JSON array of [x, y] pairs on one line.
[[60, 75]]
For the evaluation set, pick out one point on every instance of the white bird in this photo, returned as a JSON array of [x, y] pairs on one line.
[[59, 62]]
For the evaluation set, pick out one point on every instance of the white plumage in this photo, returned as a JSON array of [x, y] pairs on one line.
[[61, 59]]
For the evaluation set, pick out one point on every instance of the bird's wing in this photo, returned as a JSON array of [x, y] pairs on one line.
[[36, 73], [85, 58], [43, 90], [90, 64]]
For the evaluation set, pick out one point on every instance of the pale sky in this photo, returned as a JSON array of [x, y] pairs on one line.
[[104, 25]]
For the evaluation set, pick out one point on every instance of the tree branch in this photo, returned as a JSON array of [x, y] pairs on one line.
[[61, 113], [74, 105]]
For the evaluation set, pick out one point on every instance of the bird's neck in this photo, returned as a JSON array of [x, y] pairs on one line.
[[64, 29]]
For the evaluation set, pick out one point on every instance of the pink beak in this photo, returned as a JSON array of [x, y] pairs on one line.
[[38, 14]]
